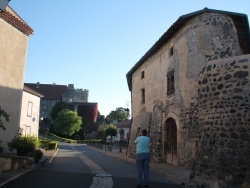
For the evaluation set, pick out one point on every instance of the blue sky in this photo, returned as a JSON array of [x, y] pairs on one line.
[[94, 43]]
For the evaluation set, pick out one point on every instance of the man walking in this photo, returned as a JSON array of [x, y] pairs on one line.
[[142, 157]]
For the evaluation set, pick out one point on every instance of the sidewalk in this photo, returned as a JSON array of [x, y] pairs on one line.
[[178, 174], [8, 176]]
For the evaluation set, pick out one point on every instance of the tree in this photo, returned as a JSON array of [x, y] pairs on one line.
[[57, 108], [5, 116], [67, 122], [111, 131], [101, 132], [120, 114]]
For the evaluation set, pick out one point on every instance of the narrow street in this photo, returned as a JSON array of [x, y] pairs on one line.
[[79, 166]]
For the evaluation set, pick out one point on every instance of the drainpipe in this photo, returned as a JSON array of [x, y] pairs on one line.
[[130, 123]]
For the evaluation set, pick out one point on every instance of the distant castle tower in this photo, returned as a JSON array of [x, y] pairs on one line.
[[75, 95]]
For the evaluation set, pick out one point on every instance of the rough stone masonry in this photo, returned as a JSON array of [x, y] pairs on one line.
[[224, 101]]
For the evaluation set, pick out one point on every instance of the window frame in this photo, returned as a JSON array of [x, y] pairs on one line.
[[29, 109], [170, 82], [143, 96], [142, 74], [171, 51]]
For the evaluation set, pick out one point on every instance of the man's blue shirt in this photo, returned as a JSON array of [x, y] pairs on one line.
[[142, 144]]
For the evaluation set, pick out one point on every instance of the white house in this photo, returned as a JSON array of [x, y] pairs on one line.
[[125, 127], [29, 121]]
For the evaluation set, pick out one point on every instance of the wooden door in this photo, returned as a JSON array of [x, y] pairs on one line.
[[171, 141]]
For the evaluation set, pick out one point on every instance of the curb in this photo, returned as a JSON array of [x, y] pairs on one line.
[[52, 158]]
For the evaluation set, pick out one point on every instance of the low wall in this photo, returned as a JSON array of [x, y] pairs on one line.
[[13, 163]]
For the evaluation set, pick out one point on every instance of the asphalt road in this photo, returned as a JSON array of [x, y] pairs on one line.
[[79, 166]]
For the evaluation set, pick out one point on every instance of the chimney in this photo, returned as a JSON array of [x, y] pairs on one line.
[[37, 86], [70, 86]]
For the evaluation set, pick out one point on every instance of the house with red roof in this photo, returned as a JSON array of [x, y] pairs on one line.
[[14, 39]]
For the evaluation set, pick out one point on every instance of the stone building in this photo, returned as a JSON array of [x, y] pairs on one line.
[[54, 93], [191, 92]]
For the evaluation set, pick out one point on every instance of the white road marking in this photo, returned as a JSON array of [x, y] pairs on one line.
[[102, 179]]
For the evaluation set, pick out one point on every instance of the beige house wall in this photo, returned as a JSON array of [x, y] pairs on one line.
[[29, 122], [13, 52]]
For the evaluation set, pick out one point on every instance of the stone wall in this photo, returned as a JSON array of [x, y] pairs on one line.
[[13, 163], [224, 103], [204, 38], [156, 132]]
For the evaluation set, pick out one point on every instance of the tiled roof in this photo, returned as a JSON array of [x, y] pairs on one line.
[[123, 124], [15, 22], [240, 21], [49, 91], [31, 91]]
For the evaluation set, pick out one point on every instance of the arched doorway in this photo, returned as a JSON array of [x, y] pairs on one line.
[[171, 141]]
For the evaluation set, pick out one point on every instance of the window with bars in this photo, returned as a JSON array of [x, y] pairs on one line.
[[170, 83]]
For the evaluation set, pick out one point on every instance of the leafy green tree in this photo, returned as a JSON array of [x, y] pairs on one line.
[[120, 114], [67, 122], [57, 108], [101, 132], [110, 130]]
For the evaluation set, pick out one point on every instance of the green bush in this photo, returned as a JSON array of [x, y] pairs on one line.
[[37, 154], [24, 145], [53, 145]]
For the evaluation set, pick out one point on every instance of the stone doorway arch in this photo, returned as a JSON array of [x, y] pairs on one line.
[[170, 141]]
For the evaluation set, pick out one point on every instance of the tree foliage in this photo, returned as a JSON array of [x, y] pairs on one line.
[[67, 122], [24, 145], [5, 116], [59, 106], [110, 130], [101, 132], [120, 114]]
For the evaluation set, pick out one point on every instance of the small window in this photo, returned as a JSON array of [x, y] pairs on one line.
[[142, 74], [171, 51], [44, 107], [27, 130], [143, 96], [29, 112], [170, 83]]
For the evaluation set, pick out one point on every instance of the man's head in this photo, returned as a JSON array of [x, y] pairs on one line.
[[144, 132]]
